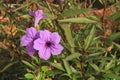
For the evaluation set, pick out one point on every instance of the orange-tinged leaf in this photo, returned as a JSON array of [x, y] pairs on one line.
[[10, 30]]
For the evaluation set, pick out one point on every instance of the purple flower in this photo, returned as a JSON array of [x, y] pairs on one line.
[[48, 44], [28, 40], [38, 15], [62, 0]]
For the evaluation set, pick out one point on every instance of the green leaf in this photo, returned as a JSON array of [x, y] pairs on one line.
[[48, 79], [29, 76], [115, 15], [61, 77], [78, 20], [28, 64], [25, 16], [89, 38], [74, 70], [117, 68], [95, 67], [40, 76], [92, 56], [114, 36], [49, 73], [22, 6], [117, 45], [72, 56], [57, 65], [48, 14], [101, 1], [35, 58], [8, 65], [91, 78], [111, 75], [109, 65], [21, 30], [72, 12], [68, 34], [44, 68], [67, 67]]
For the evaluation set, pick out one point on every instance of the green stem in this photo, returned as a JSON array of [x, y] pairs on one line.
[[49, 7], [82, 65]]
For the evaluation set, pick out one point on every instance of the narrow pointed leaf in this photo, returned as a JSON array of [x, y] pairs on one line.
[[115, 16], [78, 20], [57, 65], [112, 76], [89, 38], [72, 56], [67, 67], [28, 64], [8, 65], [95, 67], [114, 36], [72, 12], [68, 34]]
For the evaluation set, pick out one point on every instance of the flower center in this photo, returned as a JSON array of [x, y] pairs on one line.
[[48, 44]]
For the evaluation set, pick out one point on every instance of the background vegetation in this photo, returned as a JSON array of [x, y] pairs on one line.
[[90, 31]]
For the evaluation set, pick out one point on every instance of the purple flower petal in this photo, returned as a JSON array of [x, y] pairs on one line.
[[55, 37], [38, 15], [37, 35], [28, 40], [38, 44], [37, 19], [48, 43], [45, 35], [62, 0], [32, 13], [44, 53], [25, 40], [56, 49], [31, 32], [30, 49]]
